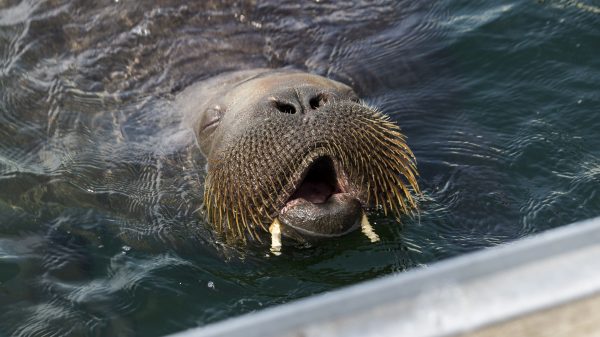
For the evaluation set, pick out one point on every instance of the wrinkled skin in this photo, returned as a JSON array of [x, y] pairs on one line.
[[296, 147]]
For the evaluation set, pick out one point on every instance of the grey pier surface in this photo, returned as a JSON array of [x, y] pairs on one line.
[[544, 285]]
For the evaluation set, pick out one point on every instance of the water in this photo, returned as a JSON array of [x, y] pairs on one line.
[[100, 188]]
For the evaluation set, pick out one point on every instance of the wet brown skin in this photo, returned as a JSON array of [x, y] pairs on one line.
[[297, 147]]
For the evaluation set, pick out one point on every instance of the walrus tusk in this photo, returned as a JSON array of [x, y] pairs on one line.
[[367, 229], [275, 230]]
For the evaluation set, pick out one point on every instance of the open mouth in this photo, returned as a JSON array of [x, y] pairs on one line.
[[321, 206], [319, 184]]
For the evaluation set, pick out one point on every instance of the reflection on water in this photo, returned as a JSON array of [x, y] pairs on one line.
[[100, 186]]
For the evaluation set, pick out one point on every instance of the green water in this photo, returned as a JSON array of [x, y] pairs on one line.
[[100, 185]]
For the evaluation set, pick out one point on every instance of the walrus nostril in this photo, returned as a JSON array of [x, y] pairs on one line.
[[318, 101], [284, 107]]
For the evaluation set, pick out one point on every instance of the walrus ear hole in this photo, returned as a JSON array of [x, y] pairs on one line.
[[285, 108]]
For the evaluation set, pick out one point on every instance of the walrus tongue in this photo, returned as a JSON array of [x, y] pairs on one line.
[[316, 192]]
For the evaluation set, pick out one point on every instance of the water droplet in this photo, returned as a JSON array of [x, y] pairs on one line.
[[211, 285], [579, 101], [125, 248]]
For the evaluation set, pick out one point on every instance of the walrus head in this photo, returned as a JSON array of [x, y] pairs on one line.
[[297, 150]]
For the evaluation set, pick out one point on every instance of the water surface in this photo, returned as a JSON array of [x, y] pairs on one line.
[[100, 187]]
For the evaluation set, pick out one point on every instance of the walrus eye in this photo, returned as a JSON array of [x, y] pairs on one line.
[[212, 117]]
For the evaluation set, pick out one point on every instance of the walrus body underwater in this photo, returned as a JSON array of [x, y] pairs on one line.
[[294, 154]]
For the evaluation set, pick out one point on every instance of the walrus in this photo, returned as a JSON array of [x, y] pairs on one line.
[[295, 154]]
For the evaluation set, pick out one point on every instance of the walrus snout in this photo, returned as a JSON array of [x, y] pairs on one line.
[[295, 154]]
